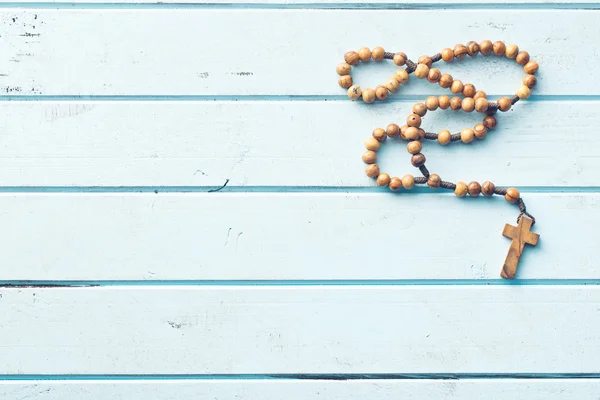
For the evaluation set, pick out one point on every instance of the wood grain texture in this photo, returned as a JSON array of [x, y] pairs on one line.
[[283, 143], [249, 330], [270, 236], [144, 52], [260, 389]]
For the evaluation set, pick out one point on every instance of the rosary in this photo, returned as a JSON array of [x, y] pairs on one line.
[[473, 100]]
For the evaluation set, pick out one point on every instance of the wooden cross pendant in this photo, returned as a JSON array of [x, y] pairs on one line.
[[520, 235]]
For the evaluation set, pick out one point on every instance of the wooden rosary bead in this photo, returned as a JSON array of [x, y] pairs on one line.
[[446, 81], [472, 48], [395, 183], [490, 121], [485, 47], [444, 137], [392, 85], [455, 103], [425, 60], [467, 135], [408, 181], [414, 120], [480, 131], [403, 129], [504, 104], [372, 144], [444, 102], [399, 59], [421, 71], [421, 133], [402, 76], [434, 75], [488, 188], [531, 67], [522, 58], [381, 92], [368, 95], [379, 134], [383, 179], [468, 104], [481, 104], [372, 170], [420, 109], [418, 160], [529, 80], [499, 48], [343, 68], [523, 92], [432, 103], [392, 130], [345, 81], [512, 195], [377, 53], [479, 94], [511, 51], [456, 87], [469, 90], [354, 92], [434, 181], [461, 189], [364, 53], [460, 51], [474, 189], [448, 55], [369, 157], [351, 57], [412, 133], [414, 147]]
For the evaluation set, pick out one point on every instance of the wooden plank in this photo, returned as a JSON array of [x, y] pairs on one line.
[[271, 236], [282, 143], [265, 389], [311, 329], [143, 52]]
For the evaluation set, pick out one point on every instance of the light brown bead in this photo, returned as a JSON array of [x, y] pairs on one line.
[[479, 94], [434, 75], [523, 92], [364, 53], [504, 104], [472, 48], [487, 188], [444, 102], [369, 157], [392, 85], [467, 135], [372, 170], [403, 129], [354, 92], [414, 147], [481, 104], [432, 103], [381, 92], [383, 179], [480, 131], [434, 181], [522, 57], [456, 103], [511, 51], [368, 95], [446, 81], [421, 133], [343, 68], [461, 189], [345, 81], [425, 60], [421, 71], [372, 144], [460, 51], [379, 134], [392, 130], [413, 120], [485, 47], [420, 109], [395, 183], [474, 189], [490, 122], [499, 48], [448, 55], [512, 195], [469, 90], [529, 80], [377, 53], [351, 57], [444, 137], [531, 67], [408, 181], [418, 160], [456, 87], [399, 59], [468, 104], [412, 133], [402, 76]]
